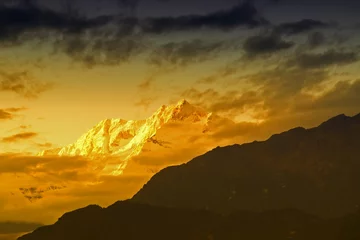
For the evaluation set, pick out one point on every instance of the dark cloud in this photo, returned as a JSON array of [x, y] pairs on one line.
[[244, 14], [18, 227], [298, 27], [34, 193], [22, 83], [316, 39], [16, 21], [111, 40], [265, 44], [19, 137], [325, 59], [130, 6], [184, 53], [8, 113]]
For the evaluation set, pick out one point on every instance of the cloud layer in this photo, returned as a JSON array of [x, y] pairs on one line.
[[22, 83]]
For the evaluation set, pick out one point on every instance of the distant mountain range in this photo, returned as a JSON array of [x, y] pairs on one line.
[[314, 170], [122, 139], [272, 190]]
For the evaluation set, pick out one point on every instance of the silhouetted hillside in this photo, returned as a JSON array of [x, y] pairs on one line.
[[315, 170], [127, 220]]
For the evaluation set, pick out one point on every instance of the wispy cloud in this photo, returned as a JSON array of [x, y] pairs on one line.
[[298, 27], [10, 113], [19, 137], [265, 44], [22, 83], [145, 102], [324, 59]]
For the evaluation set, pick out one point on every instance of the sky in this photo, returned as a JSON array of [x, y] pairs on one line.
[[266, 64]]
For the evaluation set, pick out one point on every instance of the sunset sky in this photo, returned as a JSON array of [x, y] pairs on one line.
[[266, 64]]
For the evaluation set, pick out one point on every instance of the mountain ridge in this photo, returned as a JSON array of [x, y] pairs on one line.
[[129, 220], [316, 165]]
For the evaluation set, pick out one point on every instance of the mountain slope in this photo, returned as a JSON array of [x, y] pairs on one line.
[[122, 140], [315, 170], [127, 220]]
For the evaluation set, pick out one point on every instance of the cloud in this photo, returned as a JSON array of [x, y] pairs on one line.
[[112, 40], [129, 5], [196, 96], [19, 137], [145, 102], [15, 110], [18, 227], [343, 96], [19, 20], [8, 113], [324, 59], [48, 169], [184, 53], [147, 83], [208, 79], [5, 115], [281, 103], [316, 39], [270, 93], [305, 25], [281, 87], [265, 44], [23, 84], [230, 103], [108, 47], [46, 145], [238, 102], [223, 72], [244, 14], [34, 193]]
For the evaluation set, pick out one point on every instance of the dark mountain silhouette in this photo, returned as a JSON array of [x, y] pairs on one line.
[[128, 220], [250, 190], [314, 170]]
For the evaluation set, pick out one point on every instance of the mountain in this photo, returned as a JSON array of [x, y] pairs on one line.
[[121, 140], [128, 220], [314, 170]]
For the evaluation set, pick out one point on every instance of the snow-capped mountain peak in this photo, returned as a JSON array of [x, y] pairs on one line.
[[125, 139]]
